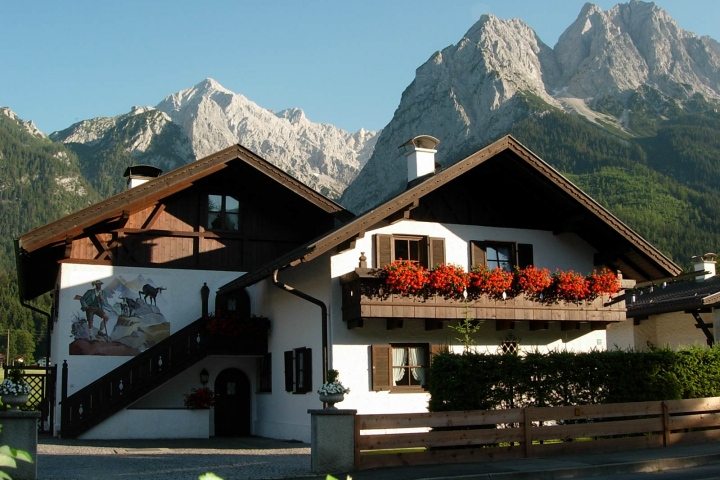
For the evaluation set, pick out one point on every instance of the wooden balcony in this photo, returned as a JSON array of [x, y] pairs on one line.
[[364, 298]]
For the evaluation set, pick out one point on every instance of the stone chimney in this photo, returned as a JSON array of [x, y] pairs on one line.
[[139, 174], [420, 153], [704, 263]]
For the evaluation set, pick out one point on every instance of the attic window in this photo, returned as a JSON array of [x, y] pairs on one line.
[[223, 213]]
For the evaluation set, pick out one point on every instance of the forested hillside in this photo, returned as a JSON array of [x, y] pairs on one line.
[[40, 181], [666, 186]]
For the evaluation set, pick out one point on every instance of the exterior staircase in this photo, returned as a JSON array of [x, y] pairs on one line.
[[148, 370]]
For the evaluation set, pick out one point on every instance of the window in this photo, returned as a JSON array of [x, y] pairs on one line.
[[505, 255], [298, 370], [223, 213], [264, 373], [427, 251], [401, 367]]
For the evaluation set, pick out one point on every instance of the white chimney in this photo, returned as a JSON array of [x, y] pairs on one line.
[[420, 156], [139, 174], [704, 263]]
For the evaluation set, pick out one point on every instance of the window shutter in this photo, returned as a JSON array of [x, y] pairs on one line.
[[381, 367], [525, 255], [478, 255], [307, 370], [383, 250], [289, 370], [437, 252], [437, 350]]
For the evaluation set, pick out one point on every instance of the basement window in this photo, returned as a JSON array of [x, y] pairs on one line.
[[223, 213]]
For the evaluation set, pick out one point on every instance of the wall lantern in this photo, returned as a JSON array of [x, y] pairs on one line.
[[204, 376]]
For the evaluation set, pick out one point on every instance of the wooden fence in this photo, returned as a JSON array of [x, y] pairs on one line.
[[482, 435]]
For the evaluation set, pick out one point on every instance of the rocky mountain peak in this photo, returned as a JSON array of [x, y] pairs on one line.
[[474, 91], [28, 126]]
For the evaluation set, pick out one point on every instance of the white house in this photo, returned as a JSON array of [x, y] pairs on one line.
[[232, 233]]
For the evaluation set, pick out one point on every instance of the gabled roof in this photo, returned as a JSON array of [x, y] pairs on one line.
[[622, 248], [35, 247], [149, 193]]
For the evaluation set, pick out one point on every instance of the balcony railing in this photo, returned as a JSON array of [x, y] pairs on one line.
[[148, 370], [364, 297]]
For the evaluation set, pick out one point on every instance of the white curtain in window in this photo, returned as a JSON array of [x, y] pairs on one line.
[[399, 359], [417, 358]]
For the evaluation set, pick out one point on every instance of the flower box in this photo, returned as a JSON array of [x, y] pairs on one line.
[[364, 296]]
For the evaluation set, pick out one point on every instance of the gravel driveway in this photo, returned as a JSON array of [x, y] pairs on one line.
[[229, 458]]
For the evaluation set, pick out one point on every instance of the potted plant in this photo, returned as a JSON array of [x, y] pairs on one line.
[[199, 399], [14, 390], [332, 391]]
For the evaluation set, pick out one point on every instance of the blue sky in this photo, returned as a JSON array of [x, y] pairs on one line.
[[342, 62]]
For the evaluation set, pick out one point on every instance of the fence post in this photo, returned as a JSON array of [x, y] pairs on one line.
[[332, 439], [666, 424], [527, 424]]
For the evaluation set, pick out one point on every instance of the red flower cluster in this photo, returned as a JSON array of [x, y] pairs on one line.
[[199, 398], [531, 281], [405, 277], [408, 278], [492, 283], [447, 280], [603, 282], [569, 286], [233, 324]]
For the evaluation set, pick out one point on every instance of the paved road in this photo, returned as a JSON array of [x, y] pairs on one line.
[[236, 458]]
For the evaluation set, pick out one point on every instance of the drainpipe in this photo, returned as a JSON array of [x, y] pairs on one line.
[[31, 307], [323, 315]]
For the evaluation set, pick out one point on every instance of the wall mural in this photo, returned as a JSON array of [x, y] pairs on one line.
[[121, 318]]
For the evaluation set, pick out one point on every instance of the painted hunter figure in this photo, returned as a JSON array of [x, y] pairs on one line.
[[93, 303]]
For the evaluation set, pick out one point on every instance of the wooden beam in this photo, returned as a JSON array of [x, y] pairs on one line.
[[68, 246], [598, 325], [535, 326], [394, 323], [124, 217], [104, 252], [355, 323], [502, 325], [709, 338], [152, 218], [433, 324]]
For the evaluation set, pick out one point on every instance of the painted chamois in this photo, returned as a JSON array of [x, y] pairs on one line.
[[152, 292], [129, 305]]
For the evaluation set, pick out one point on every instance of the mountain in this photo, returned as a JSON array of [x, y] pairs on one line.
[[201, 120], [624, 71], [40, 181]]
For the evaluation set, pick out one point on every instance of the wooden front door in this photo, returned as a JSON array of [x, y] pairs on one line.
[[232, 404]]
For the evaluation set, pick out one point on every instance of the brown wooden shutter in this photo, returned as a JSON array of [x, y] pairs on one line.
[[381, 367], [289, 370], [437, 252], [383, 250], [478, 255], [437, 350], [524, 255]]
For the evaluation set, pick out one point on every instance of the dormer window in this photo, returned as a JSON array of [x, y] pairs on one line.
[[427, 251], [223, 213]]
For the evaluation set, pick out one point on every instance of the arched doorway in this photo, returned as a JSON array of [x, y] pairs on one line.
[[232, 404]]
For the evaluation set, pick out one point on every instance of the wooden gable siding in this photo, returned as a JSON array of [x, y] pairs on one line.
[[172, 233]]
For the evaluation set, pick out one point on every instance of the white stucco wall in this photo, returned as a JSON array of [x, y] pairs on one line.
[[351, 348], [295, 323], [672, 330], [180, 304]]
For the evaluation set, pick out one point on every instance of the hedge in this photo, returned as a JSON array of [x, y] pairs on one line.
[[472, 381]]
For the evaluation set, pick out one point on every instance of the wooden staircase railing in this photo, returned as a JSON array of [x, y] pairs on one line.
[[140, 375]]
